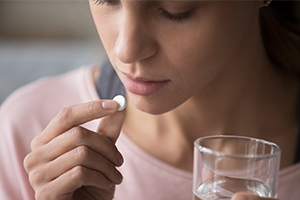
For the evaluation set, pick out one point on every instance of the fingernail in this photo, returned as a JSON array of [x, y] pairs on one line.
[[109, 105], [120, 159], [119, 177]]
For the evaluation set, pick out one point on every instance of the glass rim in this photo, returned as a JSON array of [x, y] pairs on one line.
[[219, 153]]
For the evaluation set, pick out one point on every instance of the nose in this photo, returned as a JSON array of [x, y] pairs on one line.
[[135, 41]]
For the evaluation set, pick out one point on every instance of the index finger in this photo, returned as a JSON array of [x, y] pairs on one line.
[[72, 116]]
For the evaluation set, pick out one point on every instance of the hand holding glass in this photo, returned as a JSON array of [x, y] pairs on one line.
[[224, 165]]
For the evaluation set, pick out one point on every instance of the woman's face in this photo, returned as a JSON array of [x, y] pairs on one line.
[[166, 52]]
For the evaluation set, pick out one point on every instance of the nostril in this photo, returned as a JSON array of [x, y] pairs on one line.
[[135, 50]]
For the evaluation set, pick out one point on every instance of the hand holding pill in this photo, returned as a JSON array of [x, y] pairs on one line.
[[67, 152]]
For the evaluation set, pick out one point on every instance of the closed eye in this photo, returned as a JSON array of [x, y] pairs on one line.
[[166, 14], [108, 2], [176, 16]]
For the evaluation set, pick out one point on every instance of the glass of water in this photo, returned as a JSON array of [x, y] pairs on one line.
[[224, 165]]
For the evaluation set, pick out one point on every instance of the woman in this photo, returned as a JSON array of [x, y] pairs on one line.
[[190, 69]]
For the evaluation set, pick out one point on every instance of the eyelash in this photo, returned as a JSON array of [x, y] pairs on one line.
[[176, 16], [108, 2], [170, 16]]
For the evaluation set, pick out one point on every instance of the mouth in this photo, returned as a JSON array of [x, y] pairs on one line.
[[142, 86]]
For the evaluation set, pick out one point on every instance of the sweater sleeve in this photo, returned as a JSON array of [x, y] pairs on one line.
[[23, 116], [15, 137]]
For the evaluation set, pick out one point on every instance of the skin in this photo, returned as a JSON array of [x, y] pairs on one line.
[[66, 154], [219, 81], [140, 42], [126, 46]]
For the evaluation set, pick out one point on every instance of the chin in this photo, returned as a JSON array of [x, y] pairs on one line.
[[153, 110], [152, 105]]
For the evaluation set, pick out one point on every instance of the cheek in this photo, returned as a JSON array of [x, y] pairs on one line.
[[210, 43], [106, 24]]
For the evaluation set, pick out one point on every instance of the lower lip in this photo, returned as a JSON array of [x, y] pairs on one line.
[[143, 88]]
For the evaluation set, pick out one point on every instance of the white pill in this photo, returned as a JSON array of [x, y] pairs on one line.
[[121, 101]]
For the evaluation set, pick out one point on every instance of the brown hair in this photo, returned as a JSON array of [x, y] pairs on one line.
[[280, 27]]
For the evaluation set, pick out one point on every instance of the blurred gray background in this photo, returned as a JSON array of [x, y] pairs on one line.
[[44, 38]]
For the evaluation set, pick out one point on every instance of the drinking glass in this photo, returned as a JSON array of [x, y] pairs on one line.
[[225, 164]]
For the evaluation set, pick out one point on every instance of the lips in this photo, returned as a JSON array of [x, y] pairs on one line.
[[141, 86]]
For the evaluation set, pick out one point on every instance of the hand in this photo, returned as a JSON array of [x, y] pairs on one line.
[[69, 162], [245, 196]]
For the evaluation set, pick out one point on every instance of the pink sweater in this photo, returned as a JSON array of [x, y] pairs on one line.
[[27, 112]]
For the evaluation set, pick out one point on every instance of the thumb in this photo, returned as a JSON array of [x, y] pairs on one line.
[[111, 125], [246, 196]]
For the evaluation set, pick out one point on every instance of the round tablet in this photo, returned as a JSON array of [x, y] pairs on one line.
[[121, 101]]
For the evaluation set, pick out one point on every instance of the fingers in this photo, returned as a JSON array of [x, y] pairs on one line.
[[76, 158], [79, 157], [79, 136], [86, 157], [66, 156], [245, 196], [79, 146], [64, 186], [73, 116], [111, 125]]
